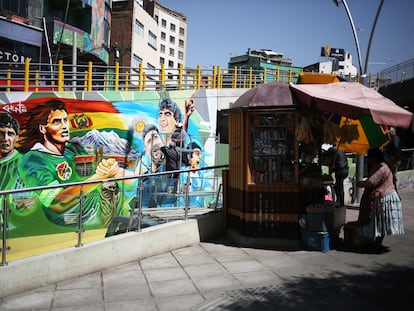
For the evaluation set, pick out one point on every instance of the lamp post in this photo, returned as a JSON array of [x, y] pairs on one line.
[[351, 21], [360, 158]]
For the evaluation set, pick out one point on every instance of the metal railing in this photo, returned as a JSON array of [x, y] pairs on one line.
[[36, 77], [398, 73], [135, 211]]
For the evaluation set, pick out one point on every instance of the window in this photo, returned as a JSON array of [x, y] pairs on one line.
[[172, 52], [172, 39], [170, 64], [163, 23], [162, 48], [172, 27], [182, 31], [139, 28], [180, 55], [151, 69], [181, 43], [162, 60], [152, 39], [163, 36], [136, 61]]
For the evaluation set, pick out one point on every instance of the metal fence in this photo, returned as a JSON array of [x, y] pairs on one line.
[[398, 73], [37, 77], [136, 212]]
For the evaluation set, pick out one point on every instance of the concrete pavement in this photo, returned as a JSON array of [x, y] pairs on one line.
[[217, 275]]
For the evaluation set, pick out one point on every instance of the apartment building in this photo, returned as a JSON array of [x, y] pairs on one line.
[[148, 33], [172, 33]]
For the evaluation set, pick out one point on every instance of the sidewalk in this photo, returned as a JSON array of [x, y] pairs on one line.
[[219, 276]]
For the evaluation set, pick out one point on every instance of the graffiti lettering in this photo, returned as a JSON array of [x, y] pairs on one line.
[[20, 108], [12, 57]]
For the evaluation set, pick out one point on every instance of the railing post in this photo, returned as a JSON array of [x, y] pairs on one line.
[[198, 84], [4, 247], [37, 81], [8, 80], [234, 82], [378, 80], [116, 76], [250, 77], [26, 74], [60, 75], [180, 77], [264, 75], [137, 204], [140, 78], [89, 76], [162, 77], [219, 78], [187, 197], [80, 224], [290, 76], [107, 81], [126, 80], [214, 77]]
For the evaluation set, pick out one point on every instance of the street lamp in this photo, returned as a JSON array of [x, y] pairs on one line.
[[360, 158], [362, 72], [353, 31]]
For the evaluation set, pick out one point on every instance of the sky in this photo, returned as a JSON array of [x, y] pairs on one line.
[[220, 29]]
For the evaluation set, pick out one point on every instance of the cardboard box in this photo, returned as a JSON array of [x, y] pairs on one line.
[[315, 241]]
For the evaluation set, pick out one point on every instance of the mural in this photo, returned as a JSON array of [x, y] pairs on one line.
[[52, 140]]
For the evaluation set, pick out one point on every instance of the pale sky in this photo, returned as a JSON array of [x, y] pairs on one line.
[[219, 29]]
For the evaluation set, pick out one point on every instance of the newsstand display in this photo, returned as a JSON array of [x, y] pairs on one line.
[[269, 187]]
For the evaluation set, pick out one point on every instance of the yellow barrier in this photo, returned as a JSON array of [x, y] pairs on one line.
[[115, 78]]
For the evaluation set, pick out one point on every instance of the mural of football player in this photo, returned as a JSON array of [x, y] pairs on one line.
[[153, 161], [170, 119], [199, 181], [10, 159], [50, 160]]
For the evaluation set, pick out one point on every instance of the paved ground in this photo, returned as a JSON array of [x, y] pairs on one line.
[[220, 276]]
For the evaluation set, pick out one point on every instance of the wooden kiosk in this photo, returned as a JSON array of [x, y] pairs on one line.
[[266, 194]]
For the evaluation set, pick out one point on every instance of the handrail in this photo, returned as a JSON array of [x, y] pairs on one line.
[[80, 229], [36, 77]]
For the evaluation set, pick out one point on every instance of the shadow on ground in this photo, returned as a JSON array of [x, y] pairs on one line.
[[387, 288]]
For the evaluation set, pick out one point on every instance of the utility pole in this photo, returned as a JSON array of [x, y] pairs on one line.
[[360, 157]]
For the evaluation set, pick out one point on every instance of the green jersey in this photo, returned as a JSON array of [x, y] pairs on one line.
[[9, 179], [39, 167]]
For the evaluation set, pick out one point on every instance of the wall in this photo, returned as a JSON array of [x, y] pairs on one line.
[[102, 126]]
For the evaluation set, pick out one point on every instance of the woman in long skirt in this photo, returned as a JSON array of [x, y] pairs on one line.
[[380, 209]]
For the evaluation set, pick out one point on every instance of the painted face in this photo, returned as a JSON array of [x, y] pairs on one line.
[[57, 127], [8, 138], [153, 144], [166, 121], [195, 159]]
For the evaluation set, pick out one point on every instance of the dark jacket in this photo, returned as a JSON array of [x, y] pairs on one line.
[[172, 158]]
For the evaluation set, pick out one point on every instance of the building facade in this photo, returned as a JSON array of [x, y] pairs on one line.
[[46, 31], [335, 61], [172, 33], [278, 68], [144, 32]]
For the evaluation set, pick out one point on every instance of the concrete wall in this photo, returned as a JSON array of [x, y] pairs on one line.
[[41, 270]]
